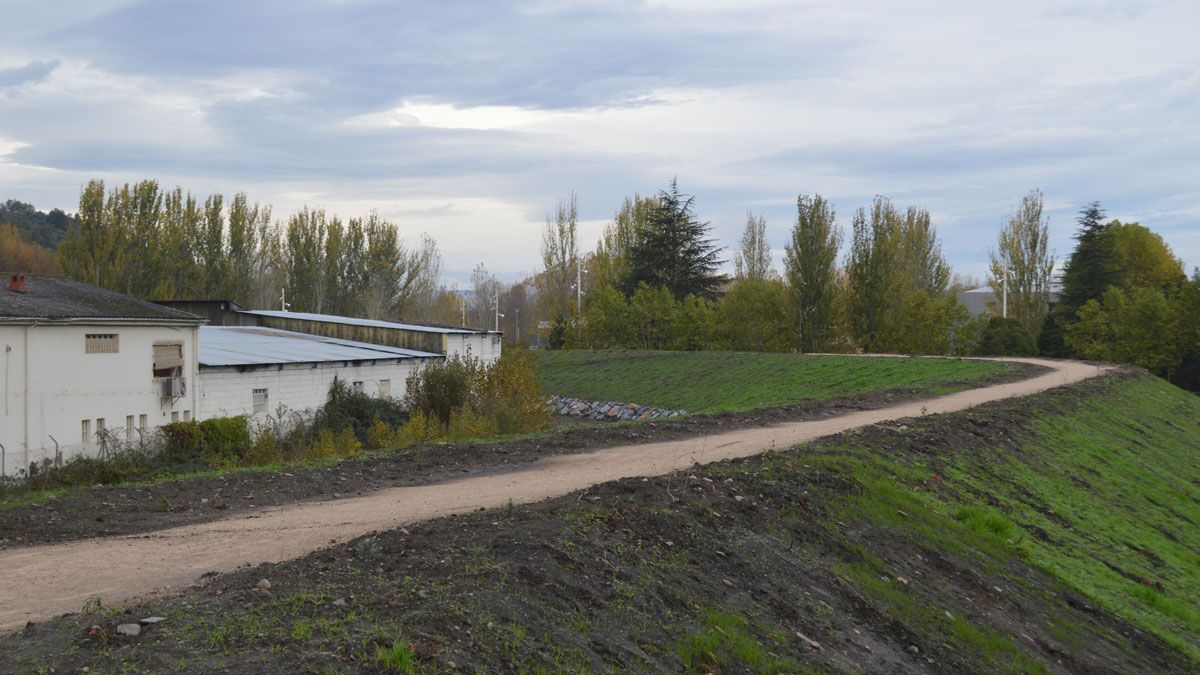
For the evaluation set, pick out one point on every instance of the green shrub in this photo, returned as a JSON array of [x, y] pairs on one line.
[[510, 393], [1006, 337], [226, 440], [441, 387], [183, 443], [220, 442], [266, 449], [346, 408]]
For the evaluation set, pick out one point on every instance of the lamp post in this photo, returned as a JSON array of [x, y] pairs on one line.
[[1004, 292]]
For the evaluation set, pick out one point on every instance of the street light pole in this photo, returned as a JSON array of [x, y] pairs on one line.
[[1004, 287]]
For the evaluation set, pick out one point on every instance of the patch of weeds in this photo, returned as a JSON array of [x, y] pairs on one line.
[[302, 630], [398, 658], [724, 644]]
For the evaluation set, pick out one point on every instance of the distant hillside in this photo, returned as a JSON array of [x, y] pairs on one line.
[[44, 229]]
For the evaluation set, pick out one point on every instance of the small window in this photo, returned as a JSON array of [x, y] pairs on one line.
[[86, 428], [143, 423], [168, 359], [385, 388], [187, 415], [129, 427], [357, 387], [174, 416], [100, 343], [99, 426], [260, 400]]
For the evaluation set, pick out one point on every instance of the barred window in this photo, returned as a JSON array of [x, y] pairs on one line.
[[357, 387], [260, 400], [100, 343], [385, 388], [86, 428]]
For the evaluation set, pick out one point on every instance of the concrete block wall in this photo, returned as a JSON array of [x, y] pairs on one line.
[[294, 388]]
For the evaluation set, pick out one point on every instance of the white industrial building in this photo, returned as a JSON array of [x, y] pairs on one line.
[[85, 369], [256, 371], [83, 366]]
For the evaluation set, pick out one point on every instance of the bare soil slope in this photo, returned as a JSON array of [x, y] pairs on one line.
[[42, 581]]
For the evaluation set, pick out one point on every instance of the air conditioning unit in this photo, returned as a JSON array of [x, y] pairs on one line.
[[174, 387]]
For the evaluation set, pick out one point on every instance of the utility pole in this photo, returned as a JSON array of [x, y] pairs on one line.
[[578, 287], [518, 325], [283, 306], [496, 305], [1004, 289], [462, 301]]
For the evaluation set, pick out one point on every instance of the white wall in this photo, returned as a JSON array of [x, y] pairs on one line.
[[64, 385], [300, 388], [486, 348]]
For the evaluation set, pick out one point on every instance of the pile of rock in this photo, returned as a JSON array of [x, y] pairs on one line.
[[608, 410]]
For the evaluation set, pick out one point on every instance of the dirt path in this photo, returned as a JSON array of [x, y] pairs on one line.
[[43, 581]]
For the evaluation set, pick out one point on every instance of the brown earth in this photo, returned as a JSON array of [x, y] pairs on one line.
[[735, 567], [41, 581], [104, 511]]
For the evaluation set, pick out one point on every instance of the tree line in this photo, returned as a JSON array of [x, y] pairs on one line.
[[141, 239], [651, 282], [653, 279]]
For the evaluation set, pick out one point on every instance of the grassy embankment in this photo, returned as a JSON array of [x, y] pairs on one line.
[[1050, 533], [709, 382]]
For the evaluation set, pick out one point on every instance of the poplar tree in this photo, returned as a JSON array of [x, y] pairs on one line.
[[1023, 254], [753, 258], [305, 239], [92, 250], [874, 285], [609, 264], [810, 262], [560, 262]]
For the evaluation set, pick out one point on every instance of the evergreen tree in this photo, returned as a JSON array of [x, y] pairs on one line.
[[1051, 340], [810, 262], [1092, 266], [675, 251]]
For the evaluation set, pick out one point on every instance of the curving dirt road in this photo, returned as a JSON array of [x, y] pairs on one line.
[[43, 581]]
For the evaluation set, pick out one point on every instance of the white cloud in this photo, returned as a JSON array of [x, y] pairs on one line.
[[471, 129]]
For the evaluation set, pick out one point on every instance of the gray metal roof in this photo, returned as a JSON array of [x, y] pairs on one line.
[[331, 318], [254, 345], [60, 299]]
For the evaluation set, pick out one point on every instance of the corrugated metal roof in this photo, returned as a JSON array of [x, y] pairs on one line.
[[60, 299], [331, 318], [253, 345]]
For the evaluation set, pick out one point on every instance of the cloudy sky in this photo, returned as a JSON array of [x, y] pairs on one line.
[[468, 120]]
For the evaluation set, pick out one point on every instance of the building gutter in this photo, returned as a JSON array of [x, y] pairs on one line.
[[25, 354], [100, 321]]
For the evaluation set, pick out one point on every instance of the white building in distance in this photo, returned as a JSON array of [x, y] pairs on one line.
[[266, 372], [83, 368]]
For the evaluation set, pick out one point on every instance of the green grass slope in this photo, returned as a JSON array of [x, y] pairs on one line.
[[1054, 533], [735, 381]]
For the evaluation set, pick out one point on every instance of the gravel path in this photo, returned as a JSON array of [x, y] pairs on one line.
[[40, 582]]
